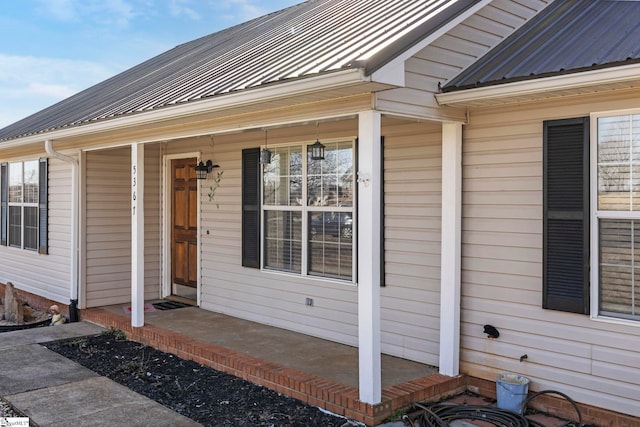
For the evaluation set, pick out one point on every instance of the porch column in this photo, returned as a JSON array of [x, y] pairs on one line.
[[369, 182], [450, 249], [137, 235]]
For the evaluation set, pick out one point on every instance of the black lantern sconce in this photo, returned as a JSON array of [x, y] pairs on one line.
[[317, 148], [265, 153], [204, 169]]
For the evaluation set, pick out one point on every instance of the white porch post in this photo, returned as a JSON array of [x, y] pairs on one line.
[[369, 178], [450, 249], [137, 235]]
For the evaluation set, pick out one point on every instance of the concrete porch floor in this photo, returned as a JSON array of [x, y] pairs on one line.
[[316, 371]]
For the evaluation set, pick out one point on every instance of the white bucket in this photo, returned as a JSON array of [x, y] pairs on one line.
[[512, 390]]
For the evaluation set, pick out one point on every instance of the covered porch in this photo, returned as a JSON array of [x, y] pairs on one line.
[[400, 294], [316, 371]]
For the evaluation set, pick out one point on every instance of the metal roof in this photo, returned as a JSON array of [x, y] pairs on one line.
[[311, 38], [568, 36]]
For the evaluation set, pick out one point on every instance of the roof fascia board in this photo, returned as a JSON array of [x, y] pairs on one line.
[[282, 90], [389, 74], [530, 88]]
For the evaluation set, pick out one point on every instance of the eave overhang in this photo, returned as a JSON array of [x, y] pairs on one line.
[[606, 79], [311, 89]]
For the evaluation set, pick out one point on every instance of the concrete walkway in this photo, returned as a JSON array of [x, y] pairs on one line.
[[54, 391]]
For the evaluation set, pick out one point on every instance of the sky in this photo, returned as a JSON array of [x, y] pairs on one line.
[[52, 49]]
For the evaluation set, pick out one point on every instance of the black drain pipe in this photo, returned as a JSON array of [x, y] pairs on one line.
[[73, 311]]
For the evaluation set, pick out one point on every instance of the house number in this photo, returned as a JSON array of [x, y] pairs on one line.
[[133, 190]]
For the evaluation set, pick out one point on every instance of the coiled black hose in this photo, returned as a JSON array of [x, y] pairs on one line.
[[440, 414]]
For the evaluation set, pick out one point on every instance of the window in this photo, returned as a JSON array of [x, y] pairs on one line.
[[591, 239], [308, 211], [23, 203], [616, 215]]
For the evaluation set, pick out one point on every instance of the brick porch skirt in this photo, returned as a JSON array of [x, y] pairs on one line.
[[327, 394]]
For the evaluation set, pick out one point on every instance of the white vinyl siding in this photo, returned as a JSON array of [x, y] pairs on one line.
[[410, 301], [453, 52], [108, 226], [47, 275], [152, 221], [594, 362]]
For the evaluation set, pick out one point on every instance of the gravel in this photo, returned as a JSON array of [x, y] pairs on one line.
[[205, 395], [7, 411]]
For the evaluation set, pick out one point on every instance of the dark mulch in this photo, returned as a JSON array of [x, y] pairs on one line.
[[210, 397]]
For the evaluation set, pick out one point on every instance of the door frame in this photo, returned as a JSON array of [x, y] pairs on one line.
[[166, 223]]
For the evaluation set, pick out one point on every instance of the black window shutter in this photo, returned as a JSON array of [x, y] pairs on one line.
[[4, 202], [251, 207], [566, 215], [43, 216]]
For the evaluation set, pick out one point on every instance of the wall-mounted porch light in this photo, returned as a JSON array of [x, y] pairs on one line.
[[317, 148], [204, 169]]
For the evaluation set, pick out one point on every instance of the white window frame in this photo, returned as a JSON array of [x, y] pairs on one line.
[[304, 210], [22, 205], [596, 215]]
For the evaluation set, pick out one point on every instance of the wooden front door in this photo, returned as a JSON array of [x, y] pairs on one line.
[[184, 227]]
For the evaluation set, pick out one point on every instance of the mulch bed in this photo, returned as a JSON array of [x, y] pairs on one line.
[[205, 395]]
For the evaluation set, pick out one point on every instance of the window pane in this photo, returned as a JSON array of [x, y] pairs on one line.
[[15, 183], [619, 256], [331, 244], [635, 137], [15, 226], [613, 187], [31, 227], [283, 240], [282, 178], [31, 182], [635, 187], [614, 142], [619, 163], [330, 181]]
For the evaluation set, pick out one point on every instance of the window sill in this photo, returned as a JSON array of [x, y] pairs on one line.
[[308, 277], [616, 321]]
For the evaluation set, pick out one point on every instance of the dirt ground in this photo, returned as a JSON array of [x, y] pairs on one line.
[[205, 395]]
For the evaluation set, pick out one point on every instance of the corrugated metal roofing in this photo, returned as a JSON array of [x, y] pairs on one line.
[[318, 36], [568, 36]]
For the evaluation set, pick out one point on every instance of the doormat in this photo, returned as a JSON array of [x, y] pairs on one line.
[[148, 308], [170, 305]]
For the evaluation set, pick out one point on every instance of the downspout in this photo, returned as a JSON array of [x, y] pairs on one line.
[[75, 253]]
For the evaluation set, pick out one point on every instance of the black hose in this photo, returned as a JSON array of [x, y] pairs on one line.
[[533, 396], [440, 414]]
